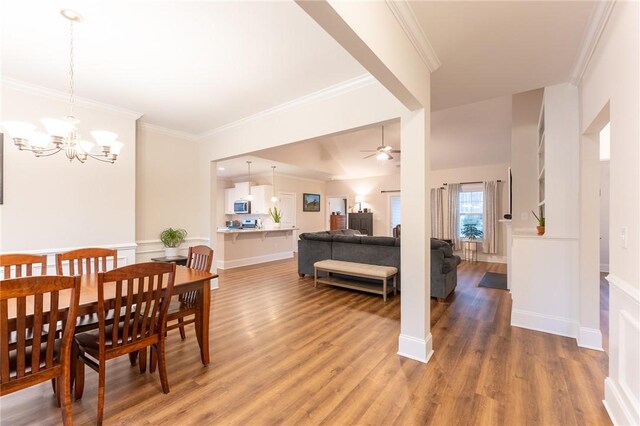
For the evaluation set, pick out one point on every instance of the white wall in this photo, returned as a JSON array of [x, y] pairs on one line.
[[170, 190], [53, 205], [524, 144], [612, 77]]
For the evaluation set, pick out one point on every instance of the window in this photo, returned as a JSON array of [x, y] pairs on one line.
[[394, 211], [471, 208]]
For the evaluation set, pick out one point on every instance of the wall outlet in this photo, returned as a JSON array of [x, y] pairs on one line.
[[524, 216], [623, 237]]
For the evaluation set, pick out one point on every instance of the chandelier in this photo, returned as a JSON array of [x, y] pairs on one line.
[[62, 133]]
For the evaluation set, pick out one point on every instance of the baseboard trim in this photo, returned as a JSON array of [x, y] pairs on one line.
[[237, 263], [615, 406], [414, 348], [545, 323], [590, 338]]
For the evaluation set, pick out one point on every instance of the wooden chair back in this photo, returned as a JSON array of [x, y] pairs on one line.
[[396, 231], [29, 308], [22, 265], [86, 261], [200, 258], [138, 292]]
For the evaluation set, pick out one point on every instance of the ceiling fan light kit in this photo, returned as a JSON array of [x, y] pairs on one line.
[[383, 152]]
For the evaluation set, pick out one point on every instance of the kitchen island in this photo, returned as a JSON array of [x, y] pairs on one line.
[[242, 247]]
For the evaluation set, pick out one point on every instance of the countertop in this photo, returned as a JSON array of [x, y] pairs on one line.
[[224, 230]]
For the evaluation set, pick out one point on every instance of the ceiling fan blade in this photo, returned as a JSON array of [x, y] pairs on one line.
[[368, 150], [394, 151], [369, 156]]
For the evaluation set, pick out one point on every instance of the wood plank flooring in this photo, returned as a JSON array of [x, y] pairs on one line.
[[285, 353]]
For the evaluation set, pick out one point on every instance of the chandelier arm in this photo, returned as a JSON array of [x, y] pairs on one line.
[[96, 157], [51, 151]]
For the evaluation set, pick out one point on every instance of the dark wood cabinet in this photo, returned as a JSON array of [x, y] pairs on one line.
[[338, 221], [362, 222]]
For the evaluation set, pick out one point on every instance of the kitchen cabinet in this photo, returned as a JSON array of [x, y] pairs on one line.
[[362, 222], [261, 199], [229, 198]]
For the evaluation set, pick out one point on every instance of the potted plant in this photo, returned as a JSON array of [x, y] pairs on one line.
[[276, 215], [172, 238], [540, 220], [470, 231]]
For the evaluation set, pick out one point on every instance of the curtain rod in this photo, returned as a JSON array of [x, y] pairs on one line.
[[468, 183]]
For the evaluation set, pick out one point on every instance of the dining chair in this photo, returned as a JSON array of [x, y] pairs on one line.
[[16, 265], [29, 307], [186, 304], [87, 261], [140, 285]]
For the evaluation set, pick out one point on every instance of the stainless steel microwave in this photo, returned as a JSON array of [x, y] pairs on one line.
[[242, 207]]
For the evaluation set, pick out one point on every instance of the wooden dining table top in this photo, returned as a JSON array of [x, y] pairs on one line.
[[186, 279]]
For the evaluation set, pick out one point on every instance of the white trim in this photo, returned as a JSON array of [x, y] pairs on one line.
[[237, 263], [414, 348], [625, 287], [326, 93], [64, 97], [597, 21], [50, 251], [615, 406], [545, 323], [169, 132], [412, 28], [590, 338]]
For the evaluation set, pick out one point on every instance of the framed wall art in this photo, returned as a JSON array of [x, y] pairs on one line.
[[310, 202]]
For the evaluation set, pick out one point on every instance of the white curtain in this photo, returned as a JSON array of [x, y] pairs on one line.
[[454, 214], [490, 217], [437, 213]]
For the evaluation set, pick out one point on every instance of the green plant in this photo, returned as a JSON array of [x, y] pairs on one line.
[[276, 214], [539, 219], [470, 231], [173, 237]]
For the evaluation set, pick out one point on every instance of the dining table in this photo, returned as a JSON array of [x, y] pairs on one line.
[[186, 279]]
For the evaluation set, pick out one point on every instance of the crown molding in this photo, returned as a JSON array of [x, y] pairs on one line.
[[57, 95], [597, 21], [412, 28], [169, 132], [326, 93]]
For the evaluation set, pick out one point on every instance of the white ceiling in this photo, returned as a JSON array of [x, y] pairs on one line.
[[195, 66], [497, 48], [188, 66]]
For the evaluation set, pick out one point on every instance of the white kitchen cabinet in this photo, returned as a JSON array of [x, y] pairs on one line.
[[261, 199], [229, 197]]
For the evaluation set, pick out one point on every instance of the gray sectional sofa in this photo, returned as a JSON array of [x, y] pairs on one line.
[[348, 245]]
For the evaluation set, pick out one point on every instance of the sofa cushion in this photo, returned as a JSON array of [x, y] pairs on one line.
[[379, 241], [316, 236], [442, 246], [344, 232], [353, 239]]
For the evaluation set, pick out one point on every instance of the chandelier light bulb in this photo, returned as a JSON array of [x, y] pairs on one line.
[[39, 140], [18, 129]]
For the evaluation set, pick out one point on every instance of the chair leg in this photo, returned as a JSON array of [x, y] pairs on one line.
[[133, 357], [65, 388], [182, 335], [162, 367], [153, 359], [79, 379], [55, 382], [142, 355], [101, 382]]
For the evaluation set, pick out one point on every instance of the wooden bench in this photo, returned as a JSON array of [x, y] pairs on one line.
[[361, 270]]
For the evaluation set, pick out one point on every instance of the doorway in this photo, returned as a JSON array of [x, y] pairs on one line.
[[337, 212], [287, 201], [605, 155]]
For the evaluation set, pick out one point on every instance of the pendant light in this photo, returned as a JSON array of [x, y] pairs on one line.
[[274, 199], [249, 196]]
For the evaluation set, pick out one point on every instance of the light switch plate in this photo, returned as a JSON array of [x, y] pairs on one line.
[[623, 237]]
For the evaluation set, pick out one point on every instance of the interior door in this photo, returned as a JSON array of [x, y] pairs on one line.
[[287, 201]]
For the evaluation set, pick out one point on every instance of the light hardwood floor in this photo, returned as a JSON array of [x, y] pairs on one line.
[[286, 353]]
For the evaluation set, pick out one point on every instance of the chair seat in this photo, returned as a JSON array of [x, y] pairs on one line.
[[178, 308], [90, 321], [90, 340], [13, 360]]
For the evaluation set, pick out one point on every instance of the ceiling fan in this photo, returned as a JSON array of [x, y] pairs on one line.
[[383, 152]]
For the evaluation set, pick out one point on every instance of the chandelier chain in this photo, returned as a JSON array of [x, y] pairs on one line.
[[71, 86]]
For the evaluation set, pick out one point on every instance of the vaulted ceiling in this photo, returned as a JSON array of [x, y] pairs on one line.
[[195, 66]]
